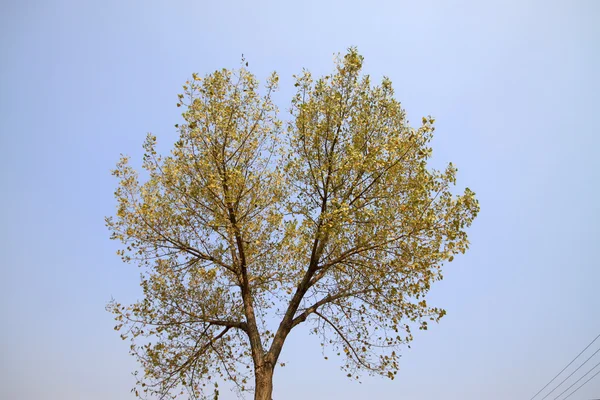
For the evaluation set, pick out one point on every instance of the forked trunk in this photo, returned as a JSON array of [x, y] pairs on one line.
[[263, 384]]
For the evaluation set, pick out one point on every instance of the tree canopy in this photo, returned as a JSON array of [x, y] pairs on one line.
[[252, 226]]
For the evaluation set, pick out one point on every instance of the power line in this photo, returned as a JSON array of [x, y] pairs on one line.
[[557, 375], [577, 381], [557, 386], [581, 385]]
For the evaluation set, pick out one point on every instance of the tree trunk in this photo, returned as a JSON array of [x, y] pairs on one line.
[[263, 383]]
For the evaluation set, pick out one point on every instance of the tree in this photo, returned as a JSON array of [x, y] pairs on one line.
[[250, 228]]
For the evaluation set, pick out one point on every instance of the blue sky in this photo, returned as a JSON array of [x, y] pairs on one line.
[[514, 88]]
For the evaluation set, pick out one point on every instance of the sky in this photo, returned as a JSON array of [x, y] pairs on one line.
[[513, 85]]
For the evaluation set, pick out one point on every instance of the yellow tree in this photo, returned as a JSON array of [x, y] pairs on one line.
[[250, 228]]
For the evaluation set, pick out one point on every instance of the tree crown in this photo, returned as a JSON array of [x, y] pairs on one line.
[[251, 227]]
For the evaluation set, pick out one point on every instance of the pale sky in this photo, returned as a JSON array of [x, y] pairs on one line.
[[514, 88]]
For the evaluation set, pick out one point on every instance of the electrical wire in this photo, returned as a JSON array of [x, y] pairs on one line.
[[557, 375], [557, 386], [582, 385], [577, 381]]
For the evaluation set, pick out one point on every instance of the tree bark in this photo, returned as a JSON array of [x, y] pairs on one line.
[[263, 383]]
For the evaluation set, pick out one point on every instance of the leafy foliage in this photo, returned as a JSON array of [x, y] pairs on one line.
[[333, 220]]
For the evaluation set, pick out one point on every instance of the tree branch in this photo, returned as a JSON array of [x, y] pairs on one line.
[[325, 300], [341, 335]]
